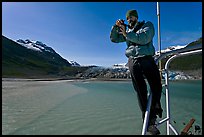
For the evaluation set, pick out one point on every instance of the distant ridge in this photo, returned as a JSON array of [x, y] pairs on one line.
[[17, 60], [34, 59], [189, 62]]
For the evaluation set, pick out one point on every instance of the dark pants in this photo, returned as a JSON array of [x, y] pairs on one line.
[[141, 68]]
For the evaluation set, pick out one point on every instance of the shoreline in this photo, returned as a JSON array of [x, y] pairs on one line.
[[78, 79], [62, 79]]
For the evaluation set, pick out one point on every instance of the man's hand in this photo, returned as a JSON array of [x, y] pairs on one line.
[[123, 30], [120, 23]]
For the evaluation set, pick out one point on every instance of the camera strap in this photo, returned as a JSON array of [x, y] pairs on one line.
[[139, 26]]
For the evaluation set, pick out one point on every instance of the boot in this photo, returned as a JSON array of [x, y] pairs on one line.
[[152, 129]]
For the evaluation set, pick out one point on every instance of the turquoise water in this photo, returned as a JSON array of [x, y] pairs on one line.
[[89, 108]]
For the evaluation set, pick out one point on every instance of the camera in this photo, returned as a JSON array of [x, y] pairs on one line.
[[119, 23], [123, 22]]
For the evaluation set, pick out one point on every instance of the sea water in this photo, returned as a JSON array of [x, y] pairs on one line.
[[90, 107]]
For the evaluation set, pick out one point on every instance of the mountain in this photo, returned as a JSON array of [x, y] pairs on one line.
[[170, 48], [185, 66], [41, 47], [188, 62], [121, 65], [30, 59], [74, 63], [35, 45], [34, 59]]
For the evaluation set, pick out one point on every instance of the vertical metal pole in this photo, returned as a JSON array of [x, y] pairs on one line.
[[159, 37], [167, 100], [146, 118]]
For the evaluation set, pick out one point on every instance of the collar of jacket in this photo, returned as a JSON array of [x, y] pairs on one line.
[[137, 26]]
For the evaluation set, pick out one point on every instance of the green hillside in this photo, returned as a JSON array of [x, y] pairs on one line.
[[18, 61], [187, 63]]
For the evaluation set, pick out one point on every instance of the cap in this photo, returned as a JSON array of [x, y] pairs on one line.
[[131, 13]]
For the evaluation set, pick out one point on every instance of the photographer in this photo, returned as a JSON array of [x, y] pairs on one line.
[[140, 50]]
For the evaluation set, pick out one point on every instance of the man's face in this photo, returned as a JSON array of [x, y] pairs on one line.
[[132, 20]]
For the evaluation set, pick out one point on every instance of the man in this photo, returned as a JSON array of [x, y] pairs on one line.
[[140, 50]]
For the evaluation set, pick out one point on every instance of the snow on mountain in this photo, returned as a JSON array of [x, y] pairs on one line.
[[35, 45], [170, 48], [74, 63], [41, 47], [121, 65]]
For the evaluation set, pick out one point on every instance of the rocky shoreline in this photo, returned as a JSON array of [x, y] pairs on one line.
[[123, 73], [107, 74]]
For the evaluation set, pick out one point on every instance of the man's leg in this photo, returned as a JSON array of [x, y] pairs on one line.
[[151, 72], [139, 84]]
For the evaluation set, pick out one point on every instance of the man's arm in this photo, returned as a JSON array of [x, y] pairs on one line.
[[115, 36]]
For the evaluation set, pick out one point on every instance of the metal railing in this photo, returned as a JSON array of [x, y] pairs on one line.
[[174, 54]]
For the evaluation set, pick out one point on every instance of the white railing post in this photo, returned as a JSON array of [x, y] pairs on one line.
[[146, 118], [177, 53]]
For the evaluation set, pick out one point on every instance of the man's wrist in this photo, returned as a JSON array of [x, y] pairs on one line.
[[125, 34]]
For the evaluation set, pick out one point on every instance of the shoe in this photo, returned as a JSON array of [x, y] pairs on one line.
[[152, 130]]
